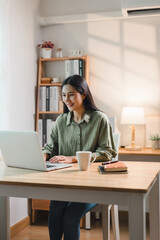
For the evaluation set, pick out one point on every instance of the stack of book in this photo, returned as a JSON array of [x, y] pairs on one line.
[[113, 167], [44, 130], [74, 67], [50, 99]]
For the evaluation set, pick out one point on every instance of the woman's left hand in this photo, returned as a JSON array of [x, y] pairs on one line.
[[63, 159]]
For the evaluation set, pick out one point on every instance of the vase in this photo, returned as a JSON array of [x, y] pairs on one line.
[[46, 52]]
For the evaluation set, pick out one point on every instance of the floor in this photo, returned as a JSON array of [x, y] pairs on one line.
[[39, 231]]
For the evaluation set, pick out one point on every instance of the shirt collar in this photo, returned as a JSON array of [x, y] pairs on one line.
[[69, 118], [86, 117]]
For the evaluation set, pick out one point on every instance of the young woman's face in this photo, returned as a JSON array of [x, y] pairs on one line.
[[72, 99]]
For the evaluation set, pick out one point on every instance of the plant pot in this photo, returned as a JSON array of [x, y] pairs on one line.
[[46, 52], [155, 144]]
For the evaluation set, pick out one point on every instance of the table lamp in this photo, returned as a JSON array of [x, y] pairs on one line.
[[133, 116]]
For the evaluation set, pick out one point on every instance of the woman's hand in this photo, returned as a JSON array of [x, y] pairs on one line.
[[63, 159]]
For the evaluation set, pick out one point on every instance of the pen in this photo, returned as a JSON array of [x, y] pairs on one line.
[[109, 162]]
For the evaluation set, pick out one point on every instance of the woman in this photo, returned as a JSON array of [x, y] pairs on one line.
[[81, 127]]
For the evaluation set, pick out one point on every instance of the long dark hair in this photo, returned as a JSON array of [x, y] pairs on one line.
[[80, 84]]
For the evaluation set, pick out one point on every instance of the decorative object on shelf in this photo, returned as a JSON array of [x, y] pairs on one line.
[[132, 116], [75, 53], [46, 80], [56, 79], [59, 53], [46, 49], [155, 141]]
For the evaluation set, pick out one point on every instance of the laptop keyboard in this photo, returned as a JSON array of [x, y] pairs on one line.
[[49, 166], [58, 165]]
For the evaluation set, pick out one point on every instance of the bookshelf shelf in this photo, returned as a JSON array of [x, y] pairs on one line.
[[38, 204], [51, 112], [50, 84], [62, 59]]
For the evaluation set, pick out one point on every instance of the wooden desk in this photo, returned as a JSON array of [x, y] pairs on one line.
[[144, 151], [146, 155], [88, 186]]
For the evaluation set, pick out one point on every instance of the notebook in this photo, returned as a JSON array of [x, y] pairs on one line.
[[113, 167], [22, 149]]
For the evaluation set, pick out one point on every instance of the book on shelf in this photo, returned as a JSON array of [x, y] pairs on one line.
[[81, 67], [116, 167], [47, 98], [42, 99], [50, 98], [74, 67], [54, 99], [44, 130]]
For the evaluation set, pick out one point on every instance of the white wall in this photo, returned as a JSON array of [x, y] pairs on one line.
[[124, 59], [22, 67]]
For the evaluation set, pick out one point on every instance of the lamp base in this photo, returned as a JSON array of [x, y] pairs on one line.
[[130, 148]]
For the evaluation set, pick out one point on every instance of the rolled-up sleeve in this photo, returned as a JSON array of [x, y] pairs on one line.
[[106, 148]]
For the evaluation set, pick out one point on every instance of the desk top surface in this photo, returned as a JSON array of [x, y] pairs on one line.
[[143, 151], [139, 178]]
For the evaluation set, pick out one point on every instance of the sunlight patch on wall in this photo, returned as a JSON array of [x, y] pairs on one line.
[[142, 64], [140, 36], [106, 73], [139, 90], [105, 51], [104, 31], [106, 83], [105, 63]]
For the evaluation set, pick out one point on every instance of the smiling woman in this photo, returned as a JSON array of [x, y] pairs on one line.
[[82, 127]]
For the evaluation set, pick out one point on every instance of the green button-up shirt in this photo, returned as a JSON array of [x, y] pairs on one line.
[[93, 133]]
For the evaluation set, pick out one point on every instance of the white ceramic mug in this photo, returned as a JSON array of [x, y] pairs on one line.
[[84, 159]]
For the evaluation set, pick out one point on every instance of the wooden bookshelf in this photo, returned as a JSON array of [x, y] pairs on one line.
[[41, 76]]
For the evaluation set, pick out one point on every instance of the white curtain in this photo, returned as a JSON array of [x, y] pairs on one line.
[[4, 63]]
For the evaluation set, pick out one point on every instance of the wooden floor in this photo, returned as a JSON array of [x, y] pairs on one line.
[[39, 231]]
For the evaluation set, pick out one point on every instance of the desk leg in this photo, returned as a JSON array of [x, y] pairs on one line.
[[4, 218], [154, 209], [137, 217]]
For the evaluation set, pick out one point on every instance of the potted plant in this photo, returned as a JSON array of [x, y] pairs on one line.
[[46, 49], [155, 138]]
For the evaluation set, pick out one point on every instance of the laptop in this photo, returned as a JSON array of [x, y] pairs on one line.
[[21, 149]]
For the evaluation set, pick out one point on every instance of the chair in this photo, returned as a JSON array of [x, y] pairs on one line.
[[106, 209]]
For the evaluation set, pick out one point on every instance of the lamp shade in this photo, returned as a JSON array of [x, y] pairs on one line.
[[132, 115]]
